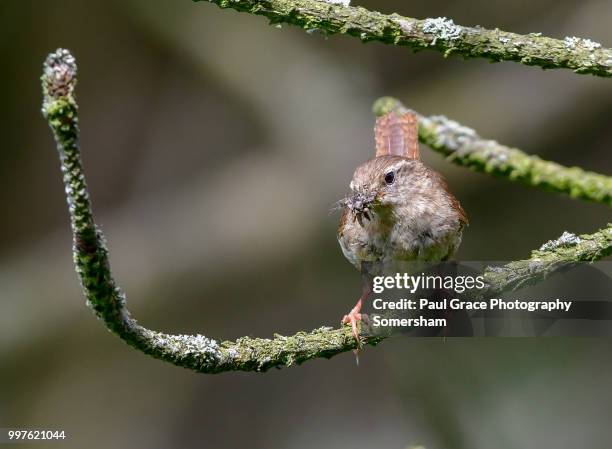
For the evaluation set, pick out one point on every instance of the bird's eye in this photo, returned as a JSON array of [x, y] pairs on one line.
[[390, 177]]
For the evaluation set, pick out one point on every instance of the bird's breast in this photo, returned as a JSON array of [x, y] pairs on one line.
[[389, 244]]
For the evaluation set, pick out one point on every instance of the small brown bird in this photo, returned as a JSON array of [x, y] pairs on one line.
[[398, 211]]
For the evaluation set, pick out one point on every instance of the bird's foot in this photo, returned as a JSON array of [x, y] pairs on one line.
[[355, 318]]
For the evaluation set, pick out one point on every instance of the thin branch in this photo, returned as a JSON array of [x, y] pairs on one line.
[[441, 34], [463, 146], [554, 256], [198, 352]]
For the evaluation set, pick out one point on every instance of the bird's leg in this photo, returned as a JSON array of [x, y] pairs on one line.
[[355, 316]]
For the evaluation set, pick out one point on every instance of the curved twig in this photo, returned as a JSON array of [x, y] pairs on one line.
[[441, 34], [463, 146], [198, 352]]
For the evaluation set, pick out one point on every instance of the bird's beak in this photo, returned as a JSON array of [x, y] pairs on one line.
[[360, 204]]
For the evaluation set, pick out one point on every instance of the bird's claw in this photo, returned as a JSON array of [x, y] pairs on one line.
[[355, 319]]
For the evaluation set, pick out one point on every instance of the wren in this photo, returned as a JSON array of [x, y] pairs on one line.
[[398, 211]]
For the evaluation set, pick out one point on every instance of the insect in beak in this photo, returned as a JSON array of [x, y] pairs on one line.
[[359, 216], [359, 203]]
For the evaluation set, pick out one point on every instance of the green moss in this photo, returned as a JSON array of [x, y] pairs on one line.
[[393, 29]]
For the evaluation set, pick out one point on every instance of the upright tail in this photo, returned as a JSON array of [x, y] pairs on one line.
[[397, 135]]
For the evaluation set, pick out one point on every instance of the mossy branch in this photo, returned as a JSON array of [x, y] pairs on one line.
[[440, 34], [553, 256], [199, 352], [463, 146]]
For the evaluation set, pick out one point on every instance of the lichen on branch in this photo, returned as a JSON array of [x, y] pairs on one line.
[[440, 34], [555, 255], [199, 352], [463, 146]]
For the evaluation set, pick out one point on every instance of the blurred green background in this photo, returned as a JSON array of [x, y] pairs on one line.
[[214, 145]]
